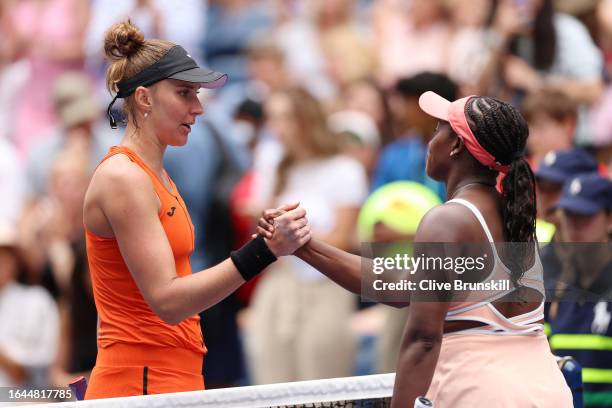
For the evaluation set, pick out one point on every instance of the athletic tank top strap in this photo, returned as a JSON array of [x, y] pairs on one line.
[[157, 182], [478, 216], [533, 277]]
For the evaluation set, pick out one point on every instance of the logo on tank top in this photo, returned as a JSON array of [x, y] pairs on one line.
[[171, 212]]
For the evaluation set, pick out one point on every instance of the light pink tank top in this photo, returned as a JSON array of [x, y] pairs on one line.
[[484, 311]]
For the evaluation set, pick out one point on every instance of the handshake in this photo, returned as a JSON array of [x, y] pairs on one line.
[[285, 229]]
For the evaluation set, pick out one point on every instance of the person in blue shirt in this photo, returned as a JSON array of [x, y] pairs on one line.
[[404, 158], [581, 311]]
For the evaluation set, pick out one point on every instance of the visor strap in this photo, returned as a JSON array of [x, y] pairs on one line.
[[113, 122]]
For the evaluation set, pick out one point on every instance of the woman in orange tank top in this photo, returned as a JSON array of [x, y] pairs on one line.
[[139, 235]]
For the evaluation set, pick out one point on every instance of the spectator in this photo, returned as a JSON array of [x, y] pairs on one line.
[[554, 170], [14, 71], [324, 46], [604, 25], [29, 322], [78, 324], [52, 35], [535, 47], [268, 75], [266, 64], [12, 181], [366, 96], [580, 313], [54, 224], [80, 124], [293, 303], [601, 123], [267, 72], [249, 124], [405, 30], [206, 185], [181, 22], [469, 47], [551, 116], [404, 159], [357, 135], [230, 26], [348, 57]]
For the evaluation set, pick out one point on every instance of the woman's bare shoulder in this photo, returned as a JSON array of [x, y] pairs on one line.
[[118, 178], [448, 222], [119, 173]]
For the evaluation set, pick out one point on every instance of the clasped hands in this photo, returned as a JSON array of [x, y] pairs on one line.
[[285, 229]]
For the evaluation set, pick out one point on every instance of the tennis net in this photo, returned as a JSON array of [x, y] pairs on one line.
[[369, 391]]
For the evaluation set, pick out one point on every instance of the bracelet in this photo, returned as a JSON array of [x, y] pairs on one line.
[[252, 258]]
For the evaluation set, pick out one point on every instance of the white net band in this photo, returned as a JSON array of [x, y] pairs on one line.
[[345, 391]]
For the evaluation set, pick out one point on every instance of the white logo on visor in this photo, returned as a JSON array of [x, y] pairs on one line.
[[550, 158], [575, 187]]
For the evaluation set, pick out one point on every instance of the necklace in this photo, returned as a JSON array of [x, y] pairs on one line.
[[463, 187]]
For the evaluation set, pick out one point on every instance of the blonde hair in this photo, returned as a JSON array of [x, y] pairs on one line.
[[129, 53], [313, 133]]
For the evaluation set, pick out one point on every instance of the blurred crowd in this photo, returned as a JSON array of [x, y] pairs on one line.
[[322, 108]]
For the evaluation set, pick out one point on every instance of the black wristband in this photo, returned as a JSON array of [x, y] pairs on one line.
[[252, 258]]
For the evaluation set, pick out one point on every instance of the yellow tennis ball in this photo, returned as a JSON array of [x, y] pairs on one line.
[[400, 205], [544, 231]]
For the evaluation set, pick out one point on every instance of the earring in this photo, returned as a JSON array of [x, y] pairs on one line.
[[146, 114]]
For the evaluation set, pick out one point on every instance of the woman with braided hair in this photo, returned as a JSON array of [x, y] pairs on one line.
[[489, 349]]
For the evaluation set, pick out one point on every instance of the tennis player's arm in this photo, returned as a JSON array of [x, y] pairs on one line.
[[422, 339], [132, 209], [419, 352], [340, 266]]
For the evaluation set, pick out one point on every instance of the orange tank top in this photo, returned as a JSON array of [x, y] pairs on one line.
[[124, 316]]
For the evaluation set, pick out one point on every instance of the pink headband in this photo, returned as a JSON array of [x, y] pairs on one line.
[[454, 113]]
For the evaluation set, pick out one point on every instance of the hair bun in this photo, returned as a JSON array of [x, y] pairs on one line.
[[123, 40]]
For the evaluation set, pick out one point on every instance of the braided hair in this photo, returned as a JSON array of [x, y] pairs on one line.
[[502, 131]]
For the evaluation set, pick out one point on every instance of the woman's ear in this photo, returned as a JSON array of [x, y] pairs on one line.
[[142, 97], [457, 147]]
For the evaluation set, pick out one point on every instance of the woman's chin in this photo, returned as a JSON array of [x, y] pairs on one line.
[[179, 141]]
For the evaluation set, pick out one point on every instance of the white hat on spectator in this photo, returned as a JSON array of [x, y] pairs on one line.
[[357, 124], [74, 99]]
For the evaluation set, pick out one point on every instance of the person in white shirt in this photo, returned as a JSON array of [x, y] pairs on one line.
[[29, 321], [300, 328]]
